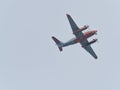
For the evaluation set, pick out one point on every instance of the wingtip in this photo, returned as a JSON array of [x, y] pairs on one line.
[[96, 57], [67, 15]]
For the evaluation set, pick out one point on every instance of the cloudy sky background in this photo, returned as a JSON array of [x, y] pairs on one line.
[[30, 60]]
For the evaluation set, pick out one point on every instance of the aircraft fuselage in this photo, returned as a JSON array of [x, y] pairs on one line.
[[81, 39]]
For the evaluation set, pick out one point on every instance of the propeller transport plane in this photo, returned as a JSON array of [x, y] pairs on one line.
[[80, 37]]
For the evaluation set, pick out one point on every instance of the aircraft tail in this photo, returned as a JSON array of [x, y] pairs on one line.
[[58, 42]]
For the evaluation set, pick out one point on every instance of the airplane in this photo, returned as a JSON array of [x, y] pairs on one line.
[[80, 37]]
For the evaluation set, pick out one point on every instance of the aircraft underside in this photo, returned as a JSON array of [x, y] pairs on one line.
[[80, 37]]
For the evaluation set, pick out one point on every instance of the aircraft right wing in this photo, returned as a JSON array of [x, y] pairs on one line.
[[88, 48], [74, 26]]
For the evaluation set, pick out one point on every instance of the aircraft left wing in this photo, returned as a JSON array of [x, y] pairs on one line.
[[74, 26], [88, 48]]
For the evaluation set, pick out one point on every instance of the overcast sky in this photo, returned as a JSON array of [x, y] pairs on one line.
[[30, 60]]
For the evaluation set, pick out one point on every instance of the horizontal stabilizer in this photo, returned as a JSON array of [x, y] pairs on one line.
[[58, 42]]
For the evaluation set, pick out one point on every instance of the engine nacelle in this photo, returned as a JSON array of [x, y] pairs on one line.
[[84, 27], [81, 29], [91, 42]]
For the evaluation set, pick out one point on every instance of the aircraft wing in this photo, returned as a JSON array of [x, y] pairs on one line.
[[88, 48], [80, 34], [74, 26]]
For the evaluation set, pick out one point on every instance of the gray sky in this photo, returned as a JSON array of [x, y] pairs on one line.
[[30, 60]]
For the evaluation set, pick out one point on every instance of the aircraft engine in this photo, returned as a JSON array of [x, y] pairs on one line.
[[84, 27], [81, 29], [91, 42]]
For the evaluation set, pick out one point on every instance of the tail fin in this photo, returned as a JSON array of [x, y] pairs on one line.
[[57, 42]]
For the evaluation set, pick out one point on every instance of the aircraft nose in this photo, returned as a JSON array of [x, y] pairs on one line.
[[95, 31]]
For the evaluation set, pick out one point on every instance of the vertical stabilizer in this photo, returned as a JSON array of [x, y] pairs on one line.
[[58, 42]]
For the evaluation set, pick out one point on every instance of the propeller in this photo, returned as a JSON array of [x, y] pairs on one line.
[[96, 33], [89, 28], [97, 40]]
